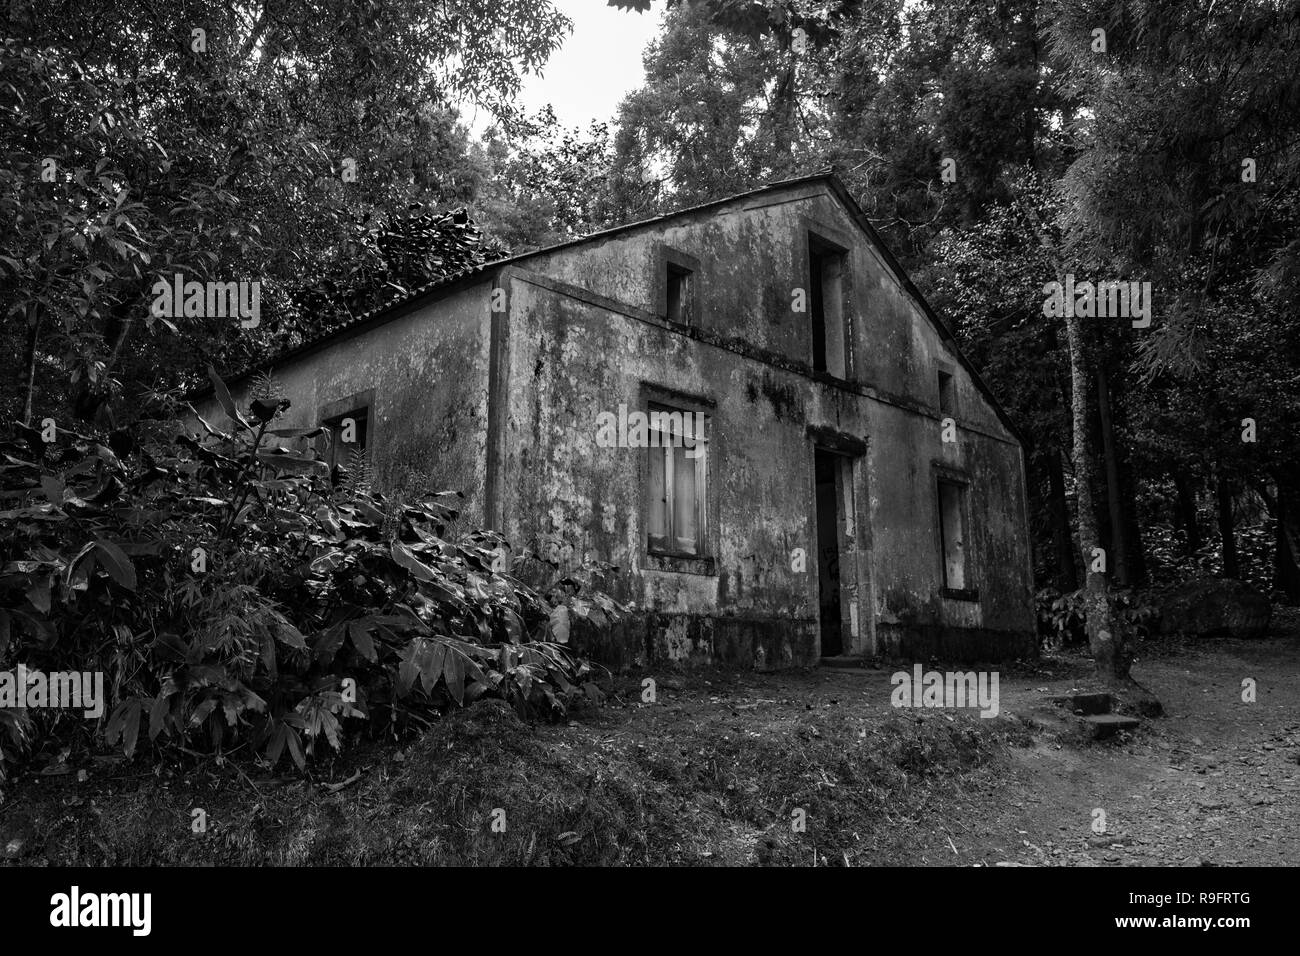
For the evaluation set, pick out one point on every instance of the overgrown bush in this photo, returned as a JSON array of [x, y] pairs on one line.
[[234, 591], [1062, 621], [1172, 562]]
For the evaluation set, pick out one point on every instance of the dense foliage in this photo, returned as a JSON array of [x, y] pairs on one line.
[[234, 591], [311, 146]]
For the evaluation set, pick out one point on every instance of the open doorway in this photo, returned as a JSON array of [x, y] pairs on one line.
[[826, 466]]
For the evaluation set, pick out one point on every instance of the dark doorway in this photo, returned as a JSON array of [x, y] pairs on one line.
[[825, 467]]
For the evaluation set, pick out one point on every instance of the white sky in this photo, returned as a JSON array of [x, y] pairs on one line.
[[598, 64]]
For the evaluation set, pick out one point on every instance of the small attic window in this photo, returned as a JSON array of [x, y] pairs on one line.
[[947, 394], [827, 267], [676, 281], [678, 297]]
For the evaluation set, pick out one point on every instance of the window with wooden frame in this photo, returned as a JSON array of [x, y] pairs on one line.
[[678, 517], [952, 536]]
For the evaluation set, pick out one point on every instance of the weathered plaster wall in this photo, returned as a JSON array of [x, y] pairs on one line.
[[752, 256], [913, 618], [735, 246], [582, 333], [571, 360], [749, 357], [428, 370]]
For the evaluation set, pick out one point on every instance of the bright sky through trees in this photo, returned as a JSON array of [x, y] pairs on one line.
[[599, 64]]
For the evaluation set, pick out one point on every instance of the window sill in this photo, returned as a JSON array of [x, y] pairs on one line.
[[829, 378], [962, 594], [680, 563]]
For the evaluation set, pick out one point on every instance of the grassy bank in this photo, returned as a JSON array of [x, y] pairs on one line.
[[716, 772]]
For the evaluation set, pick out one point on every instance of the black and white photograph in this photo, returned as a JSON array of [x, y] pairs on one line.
[[639, 434]]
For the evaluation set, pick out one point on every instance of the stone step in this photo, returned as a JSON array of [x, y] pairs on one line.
[[1087, 703], [1107, 725]]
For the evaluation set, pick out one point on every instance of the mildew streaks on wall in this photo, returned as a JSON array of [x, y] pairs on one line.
[[505, 406]]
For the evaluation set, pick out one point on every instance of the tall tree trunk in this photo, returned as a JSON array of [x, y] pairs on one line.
[[1128, 500], [1286, 570], [1119, 544], [1186, 506], [1067, 573], [1067, 576], [29, 366], [1227, 528], [1288, 487], [781, 112], [1102, 640], [1138, 566], [1105, 640]]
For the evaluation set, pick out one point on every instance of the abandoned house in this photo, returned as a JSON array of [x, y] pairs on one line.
[[746, 406]]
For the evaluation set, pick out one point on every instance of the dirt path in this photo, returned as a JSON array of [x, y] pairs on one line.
[[1214, 782]]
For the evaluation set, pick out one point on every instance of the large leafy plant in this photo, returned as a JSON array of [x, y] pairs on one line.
[[234, 588]]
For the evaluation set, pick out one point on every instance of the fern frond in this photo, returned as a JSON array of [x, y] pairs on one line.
[[358, 479], [264, 386]]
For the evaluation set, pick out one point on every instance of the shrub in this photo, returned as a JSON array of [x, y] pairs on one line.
[[1062, 622], [233, 590], [1060, 617]]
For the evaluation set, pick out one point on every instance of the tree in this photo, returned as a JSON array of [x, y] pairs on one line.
[[1188, 176], [266, 141], [545, 184]]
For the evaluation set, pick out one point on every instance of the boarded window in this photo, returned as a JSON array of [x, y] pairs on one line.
[[676, 487], [826, 275], [679, 296], [952, 533]]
